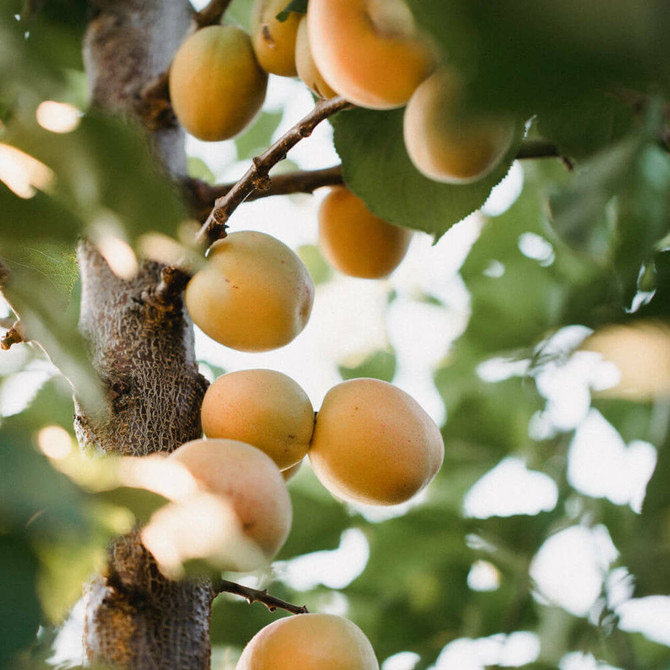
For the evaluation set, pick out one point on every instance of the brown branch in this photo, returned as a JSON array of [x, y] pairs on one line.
[[258, 596], [14, 335], [203, 195], [165, 295], [256, 178], [210, 15]]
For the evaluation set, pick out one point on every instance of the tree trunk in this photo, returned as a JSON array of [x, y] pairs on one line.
[[135, 617]]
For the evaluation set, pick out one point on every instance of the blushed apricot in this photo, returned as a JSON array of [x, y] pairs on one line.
[[447, 145], [254, 293], [369, 51], [261, 407], [357, 242], [273, 40], [306, 67], [216, 84], [307, 642], [249, 481], [374, 444]]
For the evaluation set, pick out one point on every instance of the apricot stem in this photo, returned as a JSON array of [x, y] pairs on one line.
[[257, 176], [258, 596]]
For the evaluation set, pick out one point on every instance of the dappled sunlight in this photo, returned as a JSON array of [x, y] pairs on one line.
[[55, 442], [512, 650], [484, 576], [22, 173], [58, 117], [601, 465], [510, 488], [570, 567], [335, 569]]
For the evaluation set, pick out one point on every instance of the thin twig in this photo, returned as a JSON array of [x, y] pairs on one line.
[[211, 15], [203, 195], [164, 296], [257, 176], [153, 105], [258, 596]]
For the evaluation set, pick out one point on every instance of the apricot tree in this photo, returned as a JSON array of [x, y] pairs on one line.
[[113, 241]]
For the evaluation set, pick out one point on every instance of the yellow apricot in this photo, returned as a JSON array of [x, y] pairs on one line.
[[306, 67], [273, 40], [307, 642], [640, 351], [357, 242], [374, 444], [369, 51], [253, 294], [261, 407], [216, 84], [447, 145], [249, 481]]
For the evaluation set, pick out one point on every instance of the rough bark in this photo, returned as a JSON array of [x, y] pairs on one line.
[[135, 617]]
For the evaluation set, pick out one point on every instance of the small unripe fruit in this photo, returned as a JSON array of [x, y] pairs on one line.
[[261, 407], [445, 144], [273, 40], [308, 642], [306, 67], [249, 481], [216, 84], [374, 444], [357, 242], [254, 293], [368, 50]]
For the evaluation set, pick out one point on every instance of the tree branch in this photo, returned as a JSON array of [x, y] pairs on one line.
[[258, 596], [257, 176], [14, 334], [203, 195], [211, 15]]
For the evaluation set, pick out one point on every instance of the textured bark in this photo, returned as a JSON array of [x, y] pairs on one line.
[[136, 619]]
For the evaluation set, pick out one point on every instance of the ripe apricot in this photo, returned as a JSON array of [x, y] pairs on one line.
[[640, 350], [254, 293], [216, 84], [306, 67], [369, 51], [309, 641], [444, 143], [357, 242], [373, 443], [249, 481], [273, 40], [261, 407]]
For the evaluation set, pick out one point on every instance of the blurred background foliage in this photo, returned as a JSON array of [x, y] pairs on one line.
[[581, 247]]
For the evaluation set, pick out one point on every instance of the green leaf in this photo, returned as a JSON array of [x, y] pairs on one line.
[[19, 607], [377, 168], [298, 6], [584, 125], [378, 365], [318, 266], [258, 136]]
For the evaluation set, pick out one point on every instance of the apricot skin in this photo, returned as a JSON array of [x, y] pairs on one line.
[[308, 641], [374, 444], [355, 241], [261, 407], [254, 293], [306, 67], [273, 40], [249, 480], [446, 145], [364, 54], [216, 84]]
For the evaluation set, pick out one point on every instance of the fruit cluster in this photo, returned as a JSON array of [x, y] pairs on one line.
[[370, 442], [370, 52]]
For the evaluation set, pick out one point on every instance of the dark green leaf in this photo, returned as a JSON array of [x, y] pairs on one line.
[[377, 168], [298, 6]]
